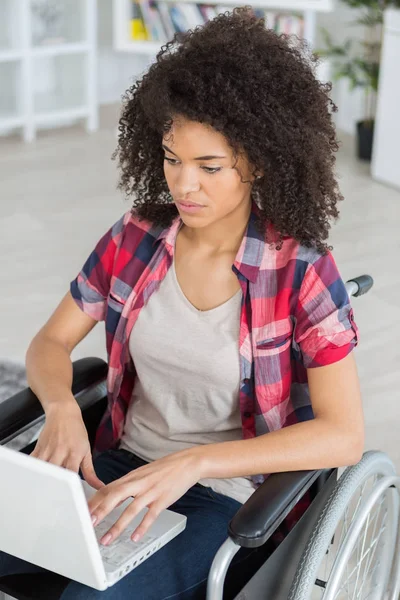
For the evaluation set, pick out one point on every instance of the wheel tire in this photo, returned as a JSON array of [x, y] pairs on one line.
[[372, 463]]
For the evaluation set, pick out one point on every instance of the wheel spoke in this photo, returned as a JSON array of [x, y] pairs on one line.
[[373, 545], [360, 517], [360, 552], [360, 496], [371, 548], [344, 533], [346, 526], [372, 554]]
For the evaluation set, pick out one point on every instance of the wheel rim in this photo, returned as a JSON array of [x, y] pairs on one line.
[[358, 567]]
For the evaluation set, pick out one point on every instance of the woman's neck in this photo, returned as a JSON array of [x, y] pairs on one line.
[[224, 235]]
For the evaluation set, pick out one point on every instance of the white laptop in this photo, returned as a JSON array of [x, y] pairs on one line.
[[44, 519]]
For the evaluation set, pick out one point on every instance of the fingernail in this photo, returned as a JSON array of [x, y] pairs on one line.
[[106, 539], [136, 537], [94, 519]]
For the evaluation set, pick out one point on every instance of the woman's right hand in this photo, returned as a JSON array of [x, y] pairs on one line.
[[64, 441]]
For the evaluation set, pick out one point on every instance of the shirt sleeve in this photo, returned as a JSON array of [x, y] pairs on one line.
[[91, 287], [325, 330]]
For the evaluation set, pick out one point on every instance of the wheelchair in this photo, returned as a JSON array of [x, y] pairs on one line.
[[345, 545]]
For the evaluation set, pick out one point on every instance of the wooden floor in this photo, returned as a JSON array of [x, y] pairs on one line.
[[58, 196]]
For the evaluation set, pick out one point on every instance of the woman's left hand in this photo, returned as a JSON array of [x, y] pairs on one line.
[[156, 485]]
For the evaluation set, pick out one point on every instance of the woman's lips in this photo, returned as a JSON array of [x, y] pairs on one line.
[[189, 207]]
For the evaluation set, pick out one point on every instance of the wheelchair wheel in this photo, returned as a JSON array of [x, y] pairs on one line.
[[353, 552]]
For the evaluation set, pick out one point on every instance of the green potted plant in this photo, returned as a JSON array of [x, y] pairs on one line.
[[359, 62]]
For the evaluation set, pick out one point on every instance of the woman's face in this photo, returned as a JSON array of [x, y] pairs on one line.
[[204, 189]]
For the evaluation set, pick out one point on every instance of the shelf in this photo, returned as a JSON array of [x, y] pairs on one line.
[[10, 55], [60, 116], [48, 65], [63, 88], [60, 49], [54, 50], [122, 14], [9, 122], [140, 47], [58, 23], [281, 5]]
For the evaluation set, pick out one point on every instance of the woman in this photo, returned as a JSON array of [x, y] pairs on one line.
[[229, 330]]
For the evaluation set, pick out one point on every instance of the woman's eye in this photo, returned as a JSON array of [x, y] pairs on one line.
[[212, 170], [209, 170]]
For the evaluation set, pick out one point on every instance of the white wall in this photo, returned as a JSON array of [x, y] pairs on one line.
[[385, 157], [350, 104]]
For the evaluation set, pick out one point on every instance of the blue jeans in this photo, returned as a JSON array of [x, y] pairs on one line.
[[180, 569]]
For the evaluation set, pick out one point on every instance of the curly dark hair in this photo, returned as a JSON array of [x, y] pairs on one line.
[[260, 91]]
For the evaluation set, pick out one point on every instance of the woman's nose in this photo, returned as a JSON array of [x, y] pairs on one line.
[[187, 182]]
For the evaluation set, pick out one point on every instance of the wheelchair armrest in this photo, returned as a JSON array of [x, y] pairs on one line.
[[268, 506], [19, 412]]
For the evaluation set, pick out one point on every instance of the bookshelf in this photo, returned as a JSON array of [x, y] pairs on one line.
[[47, 79], [122, 10]]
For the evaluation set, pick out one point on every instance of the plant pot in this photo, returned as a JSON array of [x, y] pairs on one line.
[[365, 137]]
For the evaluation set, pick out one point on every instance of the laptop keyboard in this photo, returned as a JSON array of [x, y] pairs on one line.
[[123, 548]]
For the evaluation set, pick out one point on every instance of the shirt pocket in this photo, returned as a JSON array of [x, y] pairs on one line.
[[273, 338], [116, 302]]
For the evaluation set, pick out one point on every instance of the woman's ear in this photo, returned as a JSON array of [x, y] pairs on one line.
[[258, 173]]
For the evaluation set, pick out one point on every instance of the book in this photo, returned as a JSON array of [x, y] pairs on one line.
[[158, 25], [208, 12], [298, 27], [137, 26], [259, 13], [192, 14], [223, 8], [147, 18], [178, 19], [270, 19], [163, 8], [152, 20]]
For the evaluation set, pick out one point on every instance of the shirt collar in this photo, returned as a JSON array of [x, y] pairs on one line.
[[250, 254]]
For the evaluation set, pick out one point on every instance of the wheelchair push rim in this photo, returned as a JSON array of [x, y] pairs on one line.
[[352, 550], [361, 568]]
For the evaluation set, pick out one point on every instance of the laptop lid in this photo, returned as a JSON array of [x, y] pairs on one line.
[[45, 520]]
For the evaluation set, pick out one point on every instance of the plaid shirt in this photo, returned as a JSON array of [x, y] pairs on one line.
[[295, 315]]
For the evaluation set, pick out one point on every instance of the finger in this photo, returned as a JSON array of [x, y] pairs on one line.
[[93, 505], [89, 472], [72, 464], [35, 452], [108, 498], [127, 516], [46, 456], [39, 452], [55, 459], [152, 515]]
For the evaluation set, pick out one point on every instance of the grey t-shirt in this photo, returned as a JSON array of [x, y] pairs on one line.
[[186, 391]]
